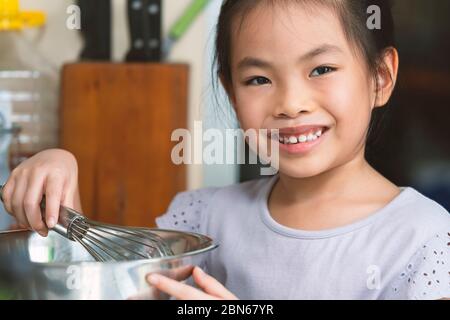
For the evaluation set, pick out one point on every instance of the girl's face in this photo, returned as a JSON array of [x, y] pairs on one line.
[[294, 70]]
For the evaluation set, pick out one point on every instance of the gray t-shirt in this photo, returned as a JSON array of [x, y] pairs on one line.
[[399, 252]]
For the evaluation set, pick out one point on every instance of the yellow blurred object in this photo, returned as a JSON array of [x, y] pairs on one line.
[[11, 18]]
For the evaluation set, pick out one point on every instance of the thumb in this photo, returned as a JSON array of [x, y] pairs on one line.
[[210, 285]]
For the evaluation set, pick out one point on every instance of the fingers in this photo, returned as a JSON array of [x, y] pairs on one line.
[[70, 197], [7, 192], [213, 289], [17, 201], [31, 204], [22, 196], [51, 172], [177, 289], [210, 285], [180, 273], [53, 194]]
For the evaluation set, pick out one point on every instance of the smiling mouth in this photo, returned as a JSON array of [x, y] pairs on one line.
[[290, 137]]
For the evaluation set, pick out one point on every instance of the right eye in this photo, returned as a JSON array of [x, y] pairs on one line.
[[257, 81]]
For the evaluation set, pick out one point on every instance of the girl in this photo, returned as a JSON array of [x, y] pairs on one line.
[[328, 225]]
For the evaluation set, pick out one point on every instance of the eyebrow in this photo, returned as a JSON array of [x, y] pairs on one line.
[[248, 62]]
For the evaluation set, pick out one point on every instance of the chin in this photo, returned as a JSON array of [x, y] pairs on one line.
[[301, 169]]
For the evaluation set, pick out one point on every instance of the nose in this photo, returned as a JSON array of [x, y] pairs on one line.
[[293, 100]]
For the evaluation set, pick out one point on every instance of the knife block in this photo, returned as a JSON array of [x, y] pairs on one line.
[[117, 119]]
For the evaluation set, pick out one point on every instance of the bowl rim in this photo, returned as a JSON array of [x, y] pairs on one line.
[[211, 245]]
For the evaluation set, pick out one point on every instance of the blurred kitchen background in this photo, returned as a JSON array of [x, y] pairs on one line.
[[108, 94]]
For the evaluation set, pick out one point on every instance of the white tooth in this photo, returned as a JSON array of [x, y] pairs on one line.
[[315, 137], [281, 140], [293, 140], [311, 137], [302, 138], [319, 133]]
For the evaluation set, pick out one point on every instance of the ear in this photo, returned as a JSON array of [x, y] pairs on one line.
[[229, 90], [387, 76]]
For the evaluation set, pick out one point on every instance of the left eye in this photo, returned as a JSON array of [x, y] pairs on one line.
[[257, 81], [321, 71]]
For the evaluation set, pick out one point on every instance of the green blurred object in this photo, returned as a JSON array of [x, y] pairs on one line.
[[6, 294], [183, 23]]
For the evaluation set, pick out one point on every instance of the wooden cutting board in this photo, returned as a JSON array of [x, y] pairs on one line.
[[117, 120]]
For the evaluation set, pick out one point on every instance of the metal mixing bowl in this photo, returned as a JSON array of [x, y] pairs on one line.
[[33, 267]]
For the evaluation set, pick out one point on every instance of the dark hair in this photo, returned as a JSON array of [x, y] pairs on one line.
[[371, 44]]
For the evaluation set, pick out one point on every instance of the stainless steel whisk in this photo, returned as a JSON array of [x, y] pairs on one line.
[[106, 242]]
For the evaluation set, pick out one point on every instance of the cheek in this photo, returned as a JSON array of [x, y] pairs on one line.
[[251, 110], [349, 104]]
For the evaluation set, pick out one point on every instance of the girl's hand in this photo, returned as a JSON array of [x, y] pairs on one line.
[[51, 172], [212, 289]]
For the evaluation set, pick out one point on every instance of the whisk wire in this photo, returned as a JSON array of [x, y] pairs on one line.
[[134, 233], [85, 235], [89, 249], [95, 245], [157, 242], [147, 245]]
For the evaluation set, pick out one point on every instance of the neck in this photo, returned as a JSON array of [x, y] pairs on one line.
[[346, 179]]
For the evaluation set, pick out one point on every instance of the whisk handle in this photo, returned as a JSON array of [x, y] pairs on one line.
[[66, 218]]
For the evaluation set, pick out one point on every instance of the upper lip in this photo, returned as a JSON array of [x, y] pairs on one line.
[[295, 131]]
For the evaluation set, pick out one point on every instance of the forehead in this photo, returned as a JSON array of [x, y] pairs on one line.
[[277, 31]]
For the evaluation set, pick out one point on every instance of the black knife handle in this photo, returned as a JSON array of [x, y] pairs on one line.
[[145, 30], [96, 29]]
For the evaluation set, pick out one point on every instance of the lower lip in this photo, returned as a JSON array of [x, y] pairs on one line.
[[303, 148]]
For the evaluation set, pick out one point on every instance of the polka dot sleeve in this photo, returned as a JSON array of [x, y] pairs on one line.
[[427, 275], [187, 211]]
